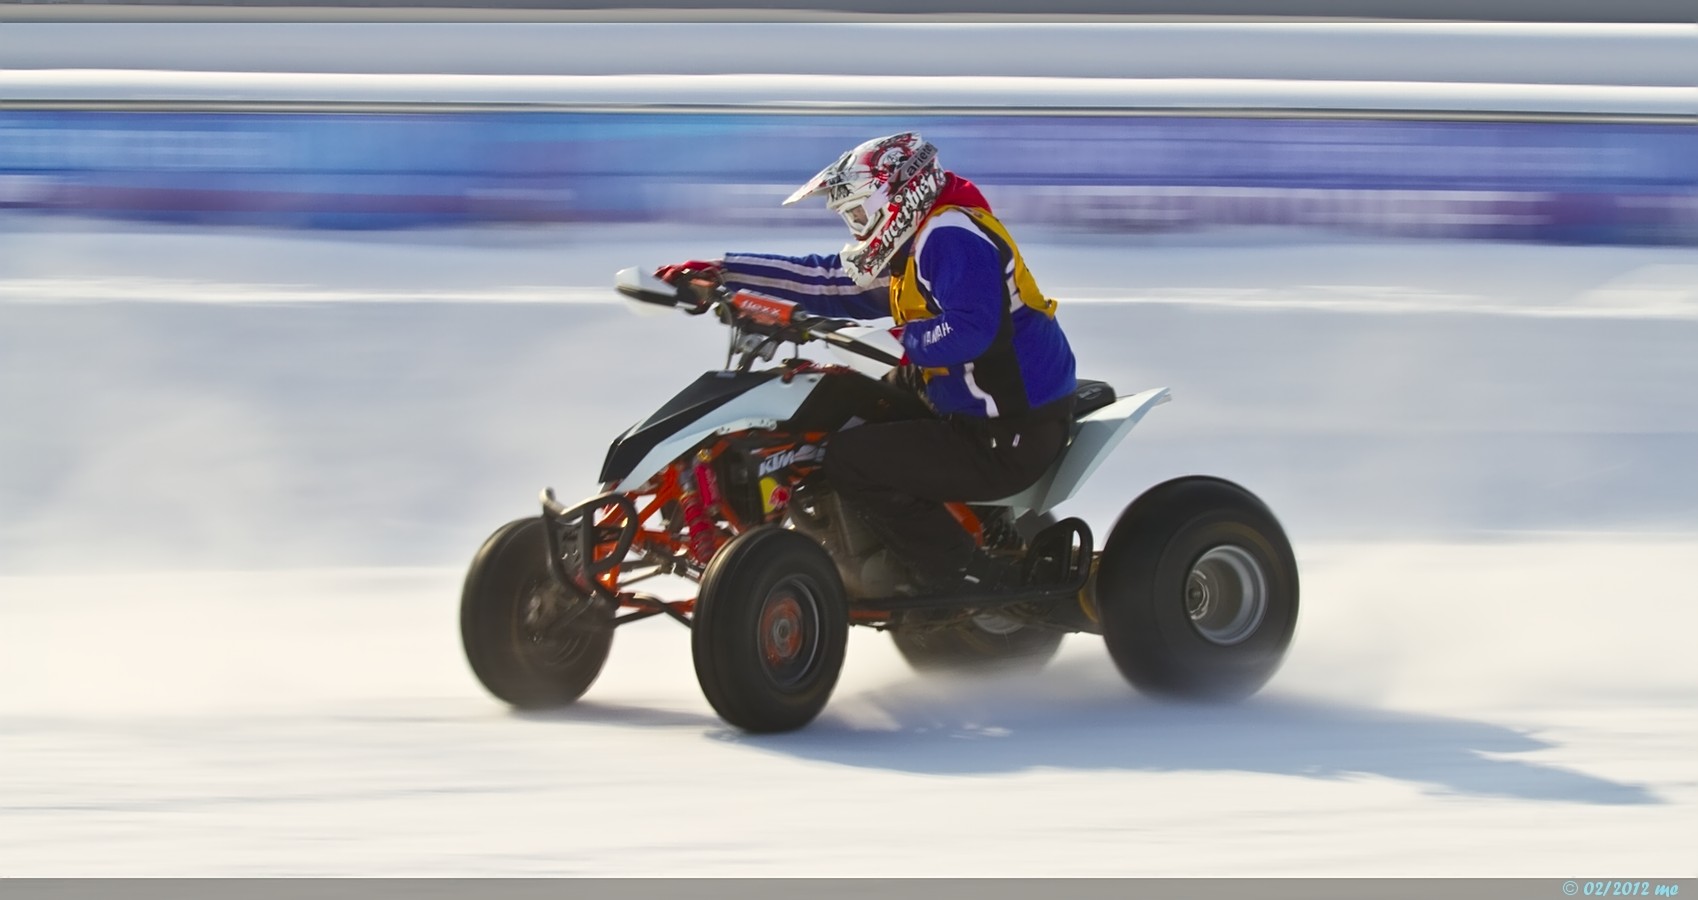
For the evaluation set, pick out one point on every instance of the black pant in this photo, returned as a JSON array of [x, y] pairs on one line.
[[898, 474]]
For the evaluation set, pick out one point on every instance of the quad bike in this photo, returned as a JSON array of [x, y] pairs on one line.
[[1194, 592]]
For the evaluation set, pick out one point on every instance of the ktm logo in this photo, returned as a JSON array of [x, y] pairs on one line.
[[784, 458]]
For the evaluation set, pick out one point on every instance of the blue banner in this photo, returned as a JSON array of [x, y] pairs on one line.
[[1592, 181]]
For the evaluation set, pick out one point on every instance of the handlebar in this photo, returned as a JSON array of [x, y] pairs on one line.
[[777, 321]]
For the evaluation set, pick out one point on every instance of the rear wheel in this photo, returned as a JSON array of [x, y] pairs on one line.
[[770, 630], [987, 642], [528, 640], [990, 641], [1197, 591]]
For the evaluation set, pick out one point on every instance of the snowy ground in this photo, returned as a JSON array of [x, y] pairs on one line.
[[234, 508]]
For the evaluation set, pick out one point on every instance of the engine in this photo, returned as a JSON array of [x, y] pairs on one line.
[[759, 474]]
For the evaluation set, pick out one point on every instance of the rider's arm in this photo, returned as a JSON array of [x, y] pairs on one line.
[[816, 282], [963, 274]]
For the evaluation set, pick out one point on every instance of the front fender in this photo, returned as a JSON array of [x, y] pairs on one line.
[[763, 406]]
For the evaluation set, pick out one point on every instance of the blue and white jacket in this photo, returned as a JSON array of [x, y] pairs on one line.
[[973, 317]]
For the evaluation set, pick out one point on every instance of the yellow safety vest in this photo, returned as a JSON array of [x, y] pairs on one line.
[[908, 304]]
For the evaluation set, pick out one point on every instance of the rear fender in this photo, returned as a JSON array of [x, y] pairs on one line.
[[1095, 436]]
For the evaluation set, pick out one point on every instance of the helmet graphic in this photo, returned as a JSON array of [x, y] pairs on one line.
[[882, 189]]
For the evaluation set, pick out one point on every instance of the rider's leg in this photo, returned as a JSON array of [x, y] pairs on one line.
[[899, 474], [845, 398]]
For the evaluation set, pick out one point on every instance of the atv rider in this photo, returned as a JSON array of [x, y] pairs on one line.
[[982, 347]]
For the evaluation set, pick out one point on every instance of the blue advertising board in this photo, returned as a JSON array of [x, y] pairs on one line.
[[1602, 181]]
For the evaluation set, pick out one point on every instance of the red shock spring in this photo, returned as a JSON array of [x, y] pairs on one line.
[[704, 540]]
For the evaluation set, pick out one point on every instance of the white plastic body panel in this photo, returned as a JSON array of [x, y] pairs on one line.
[[1097, 435], [765, 406], [762, 407], [877, 338]]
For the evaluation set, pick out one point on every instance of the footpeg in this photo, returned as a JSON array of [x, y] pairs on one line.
[[1060, 555]]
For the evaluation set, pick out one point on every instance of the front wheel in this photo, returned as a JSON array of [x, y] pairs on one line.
[[1197, 591], [771, 626], [528, 640]]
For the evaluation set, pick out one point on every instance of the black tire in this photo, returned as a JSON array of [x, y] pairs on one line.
[[1197, 591], [507, 590], [988, 643], [770, 629], [983, 643]]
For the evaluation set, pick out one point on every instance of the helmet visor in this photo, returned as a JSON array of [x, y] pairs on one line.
[[824, 182]]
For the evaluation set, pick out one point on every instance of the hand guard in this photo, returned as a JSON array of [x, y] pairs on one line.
[[690, 271], [695, 281]]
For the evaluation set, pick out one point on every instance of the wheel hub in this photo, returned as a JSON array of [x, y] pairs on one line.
[[789, 632], [781, 630], [549, 622], [1197, 595], [997, 624], [1226, 595]]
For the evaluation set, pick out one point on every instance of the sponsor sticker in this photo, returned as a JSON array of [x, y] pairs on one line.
[[785, 458], [774, 496]]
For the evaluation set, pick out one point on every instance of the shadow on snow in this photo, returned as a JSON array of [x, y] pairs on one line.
[[986, 726]]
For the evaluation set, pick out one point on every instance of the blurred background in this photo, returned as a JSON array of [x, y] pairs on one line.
[[291, 285], [1526, 131]]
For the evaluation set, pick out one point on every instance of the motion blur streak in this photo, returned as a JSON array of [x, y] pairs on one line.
[[242, 470]]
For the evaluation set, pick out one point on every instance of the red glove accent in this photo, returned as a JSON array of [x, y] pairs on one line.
[[695, 268], [896, 332]]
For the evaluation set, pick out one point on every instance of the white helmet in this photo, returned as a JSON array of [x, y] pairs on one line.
[[882, 189]]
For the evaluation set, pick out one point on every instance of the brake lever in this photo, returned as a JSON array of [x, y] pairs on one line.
[[708, 296]]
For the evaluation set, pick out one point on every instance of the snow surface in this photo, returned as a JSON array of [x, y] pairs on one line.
[[241, 473]]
